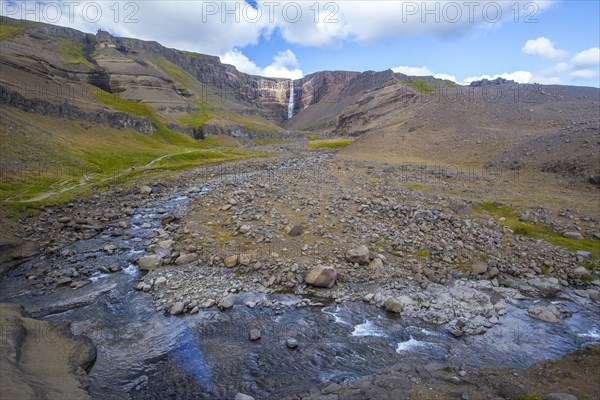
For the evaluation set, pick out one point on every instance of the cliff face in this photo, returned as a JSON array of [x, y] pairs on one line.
[[173, 82]]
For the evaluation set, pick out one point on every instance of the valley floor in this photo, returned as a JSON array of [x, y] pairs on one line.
[[466, 255]]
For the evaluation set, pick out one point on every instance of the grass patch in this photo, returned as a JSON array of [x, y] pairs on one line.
[[420, 86], [511, 219], [312, 136], [329, 143], [72, 53], [422, 253], [412, 186], [12, 28], [531, 396], [177, 74]]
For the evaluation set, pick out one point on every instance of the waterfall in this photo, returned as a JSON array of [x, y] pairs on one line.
[[291, 102]]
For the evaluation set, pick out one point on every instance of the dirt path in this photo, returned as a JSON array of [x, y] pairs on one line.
[[86, 179]]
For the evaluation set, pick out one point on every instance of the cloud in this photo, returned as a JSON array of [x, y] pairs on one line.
[[517, 76], [422, 71], [586, 74], [216, 27], [413, 71], [587, 58], [543, 47], [279, 68]]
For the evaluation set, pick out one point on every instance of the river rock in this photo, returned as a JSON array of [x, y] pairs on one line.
[[291, 343], [161, 280], [226, 302], [177, 308], [149, 262], [359, 255], [231, 261], [376, 266], [321, 276], [581, 272], [255, 334], [550, 313], [548, 287], [479, 267], [242, 396], [185, 258], [393, 305], [145, 190]]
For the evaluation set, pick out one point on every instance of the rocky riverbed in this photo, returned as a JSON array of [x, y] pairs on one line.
[[242, 270]]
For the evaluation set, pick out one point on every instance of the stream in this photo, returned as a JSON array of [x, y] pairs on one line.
[[145, 354]]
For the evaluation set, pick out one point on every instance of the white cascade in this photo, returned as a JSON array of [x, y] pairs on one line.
[[291, 102]]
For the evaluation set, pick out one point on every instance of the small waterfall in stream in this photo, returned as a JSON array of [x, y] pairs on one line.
[[291, 102]]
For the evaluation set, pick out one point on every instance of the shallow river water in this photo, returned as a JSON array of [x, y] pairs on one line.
[[145, 354]]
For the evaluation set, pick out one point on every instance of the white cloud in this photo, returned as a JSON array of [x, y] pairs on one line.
[[585, 74], [543, 47], [218, 27], [279, 68], [445, 77], [413, 71], [517, 76], [422, 71], [587, 58]]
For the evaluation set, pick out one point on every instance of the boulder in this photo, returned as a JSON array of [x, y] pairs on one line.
[[559, 396], [185, 258], [296, 230], [231, 261], [149, 262], [581, 272], [393, 305], [242, 396], [479, 267], [376, 266], [550, 313], [226, 302], [255, 334], [359, 255], [177, 308], [321, 276], [548, 287], [573, 235], [145, 190]]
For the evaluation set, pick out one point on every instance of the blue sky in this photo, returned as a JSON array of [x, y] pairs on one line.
[[549, 42]]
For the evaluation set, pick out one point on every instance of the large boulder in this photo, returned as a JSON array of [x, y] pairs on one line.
[[321, 276], [548, 287], [479, 267], [394, 305], [551, 313], [150, 262], [359, 255]]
